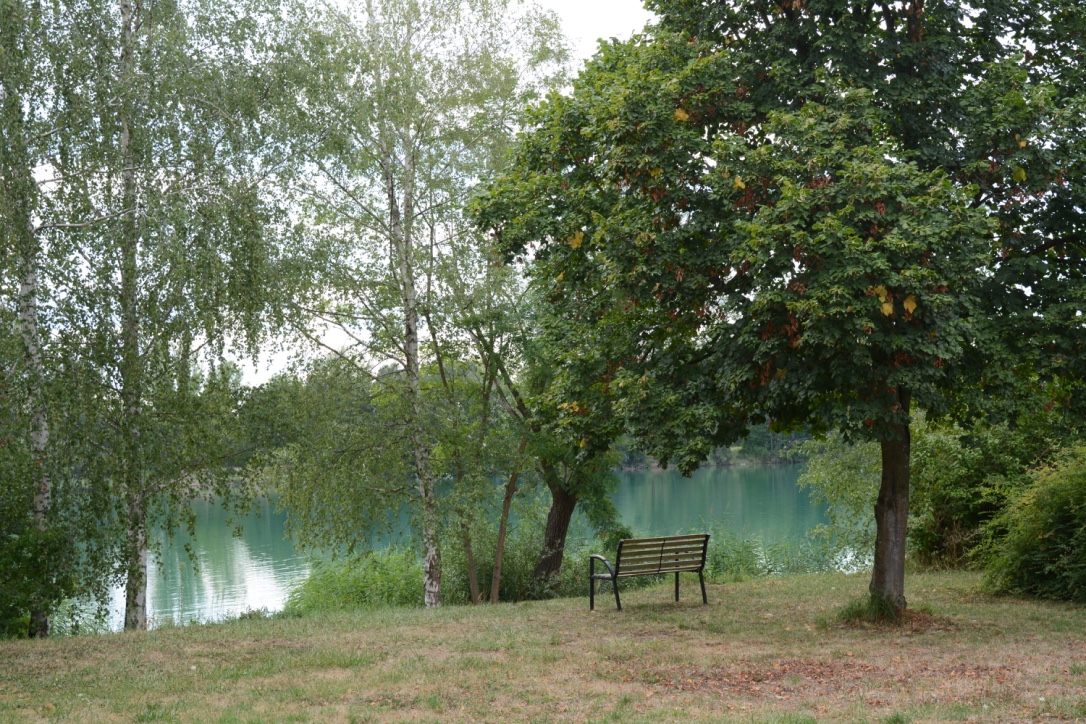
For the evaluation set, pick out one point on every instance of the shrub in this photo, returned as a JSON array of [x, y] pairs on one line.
[[389, 577], [962, 479], [1037, 545], [732, 557], [845, 478]]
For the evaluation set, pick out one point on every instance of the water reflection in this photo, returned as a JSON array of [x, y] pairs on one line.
[[233, 575], [756, 500]]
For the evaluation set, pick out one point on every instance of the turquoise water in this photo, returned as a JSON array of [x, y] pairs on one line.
[[761, 500], [257, 570]]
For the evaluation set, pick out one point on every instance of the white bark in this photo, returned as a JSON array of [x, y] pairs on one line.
[[131, 378]]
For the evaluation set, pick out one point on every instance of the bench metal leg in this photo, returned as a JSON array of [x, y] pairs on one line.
[[591, 594], [676, 586], [614, 585], [701, 579]]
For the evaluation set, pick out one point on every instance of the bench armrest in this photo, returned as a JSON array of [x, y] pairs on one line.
[[592, 565]]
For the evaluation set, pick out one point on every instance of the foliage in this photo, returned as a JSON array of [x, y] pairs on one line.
[[1037, 545], [761, 212], [389, 577], [411, 103], [965, 477], [844, 478], [962, 478], [732, 557]]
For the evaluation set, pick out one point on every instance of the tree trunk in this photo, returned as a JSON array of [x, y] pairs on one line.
[[402, 248], [135, 616], [892, 515], [39, 422], [469, 557], [135, 592], [563, 503], [17, 195], [507, 502]]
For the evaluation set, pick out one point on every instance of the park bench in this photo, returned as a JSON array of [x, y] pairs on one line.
[[648, 557]]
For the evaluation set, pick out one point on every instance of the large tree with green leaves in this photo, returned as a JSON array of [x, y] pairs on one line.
[[824, 214]]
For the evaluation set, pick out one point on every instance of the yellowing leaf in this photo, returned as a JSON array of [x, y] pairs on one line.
[[577, 240], [888, 309], [739, 183], [561, 277], [910, 304], [880, 290], [584, 442], [681, 115], [1019, 174], [1022, 143]]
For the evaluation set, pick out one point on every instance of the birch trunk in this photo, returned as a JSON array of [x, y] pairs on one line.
[[18, 191], [403, 249], [135, 614], [39, 421], [892, 516]]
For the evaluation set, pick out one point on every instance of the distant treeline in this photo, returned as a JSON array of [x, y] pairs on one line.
[[759, 447]]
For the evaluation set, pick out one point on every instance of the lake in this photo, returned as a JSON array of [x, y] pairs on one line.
[[258, 569]]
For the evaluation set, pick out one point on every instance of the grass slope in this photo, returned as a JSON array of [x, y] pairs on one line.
[[766, 650]]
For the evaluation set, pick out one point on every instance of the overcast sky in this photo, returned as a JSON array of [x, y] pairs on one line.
[[585, 21]]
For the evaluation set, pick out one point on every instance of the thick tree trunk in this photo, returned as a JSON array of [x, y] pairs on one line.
[[135, 616], [503, 525], [563, 503], [892, 515]]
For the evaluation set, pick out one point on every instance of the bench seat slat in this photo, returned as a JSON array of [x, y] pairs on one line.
[[662, 567], [665, 539], [646, 555], [624, 574], [685, 545]]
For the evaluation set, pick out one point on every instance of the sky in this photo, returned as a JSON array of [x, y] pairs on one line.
[[585, 21]]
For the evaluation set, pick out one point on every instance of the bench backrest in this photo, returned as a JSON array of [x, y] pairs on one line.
[[641, 556]]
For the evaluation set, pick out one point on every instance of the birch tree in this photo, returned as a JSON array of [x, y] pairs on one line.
[[420, 100], [145, 183]]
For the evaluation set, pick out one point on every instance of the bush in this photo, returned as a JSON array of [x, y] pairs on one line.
[[1037, 545], [732, 557], [384, 578], [961, 479]]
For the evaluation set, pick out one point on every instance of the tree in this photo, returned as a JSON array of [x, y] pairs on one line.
[[138, 168], [413, 103], [812, 213]]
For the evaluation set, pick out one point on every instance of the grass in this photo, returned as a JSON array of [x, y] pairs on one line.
[[768, 650]]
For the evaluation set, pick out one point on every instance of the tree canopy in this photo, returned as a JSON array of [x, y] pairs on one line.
[[817, 213]]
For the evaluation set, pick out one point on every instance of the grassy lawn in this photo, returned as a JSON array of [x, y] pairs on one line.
[[765, 650]]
